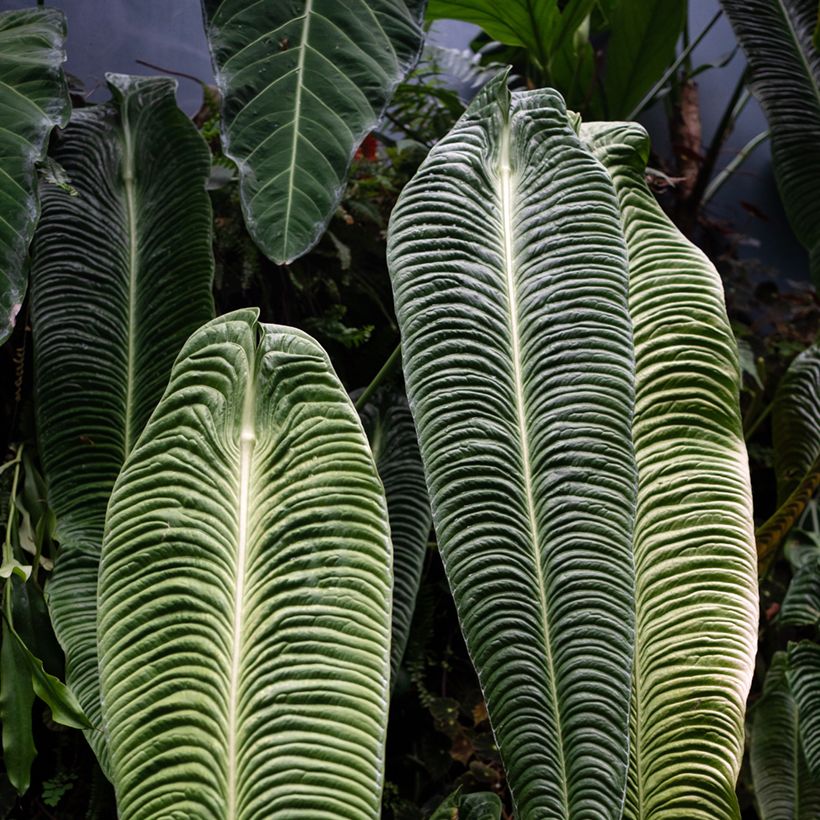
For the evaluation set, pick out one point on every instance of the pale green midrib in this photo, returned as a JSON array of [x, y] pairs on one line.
[[798, 45], [133, 264], [247, 441], [297, 113], [506, 197]]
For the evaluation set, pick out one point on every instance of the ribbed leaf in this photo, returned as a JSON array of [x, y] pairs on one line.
[[796, 421], [389, 427], [303, 83], [783, 788], [509, 275], [785, 77], [695, 561], [244, 616], [804, 681], [121, 274], [33, 99], [801, 604]]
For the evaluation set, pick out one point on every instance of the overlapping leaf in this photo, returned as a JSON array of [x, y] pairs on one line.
[[804, 682], [695, 563], [121, 274], [785, 77], [509, 275], [33, 99], [783, 788], [389, 427], [303, 83], [245, 582]]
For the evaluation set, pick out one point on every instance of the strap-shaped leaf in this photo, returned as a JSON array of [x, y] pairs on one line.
[[389, 427], [509, 274], [804, 681], [33, 99], [121, 275], [695, 562], [776, 36], [244, 618], [796, 421], [783, 787], [303, 83]]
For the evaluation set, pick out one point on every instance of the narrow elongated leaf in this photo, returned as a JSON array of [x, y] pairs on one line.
[[642, 45], [804, 681], [33, 99], [121, 274], [796, 421], [509, 275], [302, 84], [784, 65], [783, 788], [695, 561], [244, 617], [16, 702], [389, 427]]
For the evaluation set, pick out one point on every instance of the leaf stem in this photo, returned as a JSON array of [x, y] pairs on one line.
[[386, 368], [8, 557], [742, 155]]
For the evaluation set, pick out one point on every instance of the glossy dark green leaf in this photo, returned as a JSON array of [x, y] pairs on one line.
[[477, 806], [389, 427], [121, 274], [510, 279], [642, 45], [245, 586], [16, 701], [784, 66], [33, 99], [303, 82]]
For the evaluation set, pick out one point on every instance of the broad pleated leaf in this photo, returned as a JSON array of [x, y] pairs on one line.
[[804, 681], [121, 275], [389, 427], [302, 84], [783, 788], [642, 45], [776, 36], [801, 604], [33, 99], [796, 421], [695, 562], [509, 275], [244, 618]]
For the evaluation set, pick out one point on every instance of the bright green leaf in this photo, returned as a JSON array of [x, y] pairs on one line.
[[33, 99], [303, 83], [245, 586], [642, 45], [695, 559]]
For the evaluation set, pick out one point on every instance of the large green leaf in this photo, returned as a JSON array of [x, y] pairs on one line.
[[509, 274], [244, 617], [801, 604], [303, 83], [121, 274], [796, 421], [389, 427], [542, 27], [695, 561], [642, 45], [33, 99], [783, 788], [804, 681], [785, 77]]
